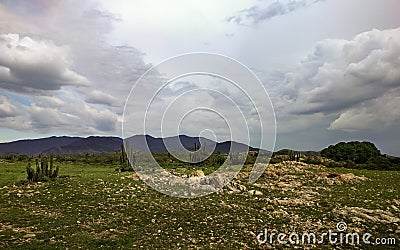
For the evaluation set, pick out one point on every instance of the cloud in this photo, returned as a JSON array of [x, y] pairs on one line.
[[55, 54], [113, 70], [352, 79], [95, 120], [27, 64], [257, 14], [40, 117], [99, 97], [44, 118], [378, 114], [48, 101], [6, 108]]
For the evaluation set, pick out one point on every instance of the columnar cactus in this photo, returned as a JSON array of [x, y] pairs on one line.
[[42, 172]]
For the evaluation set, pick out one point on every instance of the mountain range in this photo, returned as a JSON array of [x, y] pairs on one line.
[[61, 145]]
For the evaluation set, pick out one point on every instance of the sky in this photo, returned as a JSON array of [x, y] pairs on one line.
[[331, 67]]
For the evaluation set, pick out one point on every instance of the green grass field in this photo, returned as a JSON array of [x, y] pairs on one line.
[[94, 207]]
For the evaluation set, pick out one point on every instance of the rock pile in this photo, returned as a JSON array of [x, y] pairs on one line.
[[363, 214]]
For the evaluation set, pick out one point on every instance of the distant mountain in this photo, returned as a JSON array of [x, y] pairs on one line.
[[36, 146], [224, 147], [92, 144], [98, 144], [158, 145]]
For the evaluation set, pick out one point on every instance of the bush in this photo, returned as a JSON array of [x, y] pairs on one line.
[[312, 160], [275, 160], [215, 159]]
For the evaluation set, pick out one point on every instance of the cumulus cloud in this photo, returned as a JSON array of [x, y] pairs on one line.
[[377, 114], [55, 54], [257, 13], [27, 64], [354, 79], [100, 120], [42, 118], [66, 116], [6, 108]]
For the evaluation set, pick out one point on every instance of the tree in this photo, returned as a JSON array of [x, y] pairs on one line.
[[355, 151]]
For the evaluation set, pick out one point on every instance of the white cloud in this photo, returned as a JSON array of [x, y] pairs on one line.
[[103, 121], [27, 64], [75, 117], [7, 109], [343, 90], [342, 74], [55, 55], [45, 118], [377, 114]]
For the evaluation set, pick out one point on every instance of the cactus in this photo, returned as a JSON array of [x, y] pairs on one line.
[[124, 162], [30, 171], [294, 155], [236, 158], [43, 171]]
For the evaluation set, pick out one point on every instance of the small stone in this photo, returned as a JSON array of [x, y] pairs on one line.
[[269, 208], [254, 192], [29, 235], [280, 184]]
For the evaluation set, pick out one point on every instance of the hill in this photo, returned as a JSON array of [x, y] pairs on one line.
[[91, 144], [36, 146], [98, 144]]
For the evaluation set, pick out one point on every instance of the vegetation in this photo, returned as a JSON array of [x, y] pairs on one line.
[[286, 155], [125, 164], [44, 170], [236, 158], [357, 152], [96, 207], [294, 155], [362, 155]]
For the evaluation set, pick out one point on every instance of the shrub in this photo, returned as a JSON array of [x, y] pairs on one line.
[[275, 160], [216, 159], [312, 160]]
